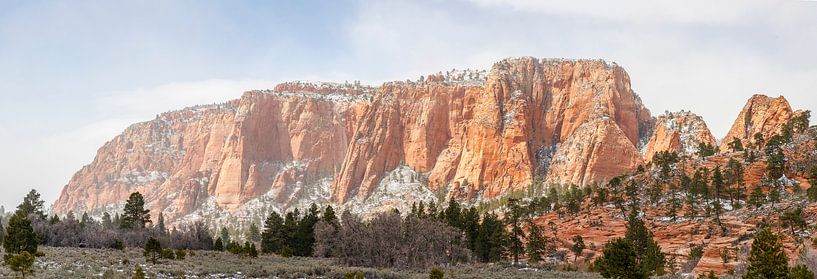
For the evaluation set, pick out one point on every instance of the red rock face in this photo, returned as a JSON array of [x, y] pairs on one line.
[[264, 143], [678, 132], [761, 114], [470, 134], [484, 140]]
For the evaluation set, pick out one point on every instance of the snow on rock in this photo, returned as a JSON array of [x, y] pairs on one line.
[[398, 189]]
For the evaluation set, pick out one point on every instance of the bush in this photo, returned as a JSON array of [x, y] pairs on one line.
[[21, 262], [153, 250], [117, 244], [181, 254], [168, 254], [436, 273], [139, 273]]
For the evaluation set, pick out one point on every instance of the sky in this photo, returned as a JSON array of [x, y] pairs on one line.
[[73, 74]]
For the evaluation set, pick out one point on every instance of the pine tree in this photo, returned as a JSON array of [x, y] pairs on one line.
[[619, 261], [470, 223], [20, 235], [775, 159], [272, 238], [537, 243], [650, 258], [717, 187], [153, 250], [793, 219], [22, 262], [304, 236], [254, 234], [139, 273], [812, 190], [106, 221], [800, 272], [767, 258], [757, 198], [578, 247], [218, 245], [225, 235], [452, 214], [2, 230], [513, 217], [32, 204], [160, 224], [491, 239], [329, 216], [135, 215], [736, 145]]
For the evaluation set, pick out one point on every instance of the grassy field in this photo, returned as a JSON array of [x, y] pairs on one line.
[[101, 263]]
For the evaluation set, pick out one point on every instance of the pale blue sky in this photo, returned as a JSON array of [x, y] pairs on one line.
[[73, 74]]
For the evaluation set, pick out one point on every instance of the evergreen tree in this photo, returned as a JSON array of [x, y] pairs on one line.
[[452, 214], [253, 233], [793, 219], [717, 187], [20, 235], [800, 272], [304, 236], [22, 262], [160, 224], [491, 239], [812, 190], [619, 261], [253, 252], [218, 245], [272, 240], [736, 145], [537, 243], [767, 258], [329, 215], [757, 198], [775, 159], [139, 273], [225, 235], [153, 250], [135, 215], [32, 204], [649, 256], [106, 221], [513, 217], [470, 223], [578, 247]]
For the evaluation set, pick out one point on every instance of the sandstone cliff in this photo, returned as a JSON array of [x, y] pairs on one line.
[[467, 134], [679, 132], [761, 114], [267, 143], [565, 121]]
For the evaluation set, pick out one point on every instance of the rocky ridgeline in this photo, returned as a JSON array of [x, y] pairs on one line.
[[469, 134]]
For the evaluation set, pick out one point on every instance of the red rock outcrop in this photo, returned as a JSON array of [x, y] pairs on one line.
[[470, 133], [265, 142], [484, 140], [679, 132], [761, 114]]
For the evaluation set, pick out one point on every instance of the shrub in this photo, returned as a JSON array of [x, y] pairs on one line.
[[436, 273], [21, 262], [180, 254], [168, 254], [139, 273], [153, 250], [117, 244]]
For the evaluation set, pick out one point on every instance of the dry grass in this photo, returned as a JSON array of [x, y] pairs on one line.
[[102, 263]]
